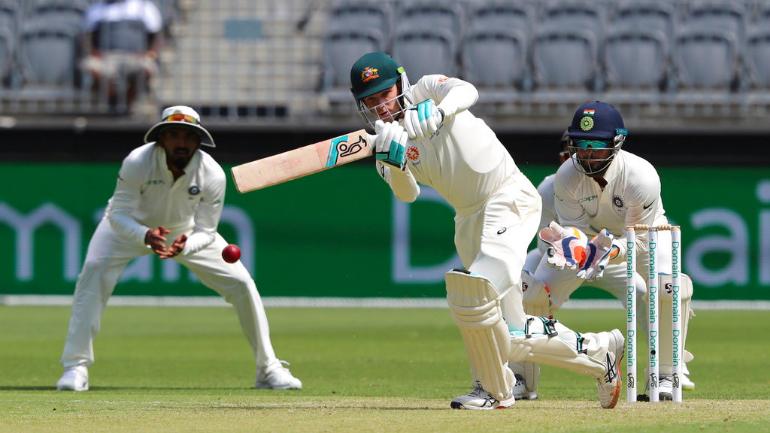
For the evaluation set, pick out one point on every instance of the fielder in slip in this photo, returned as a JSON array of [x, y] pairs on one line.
[[425, 134], [600, 191], [168, 200]]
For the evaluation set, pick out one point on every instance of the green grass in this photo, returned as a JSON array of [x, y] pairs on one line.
[[364, 370]]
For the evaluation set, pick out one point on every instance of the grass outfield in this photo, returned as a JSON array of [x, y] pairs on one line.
[[364, 370]]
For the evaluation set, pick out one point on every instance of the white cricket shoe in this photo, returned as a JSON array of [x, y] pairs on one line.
[[74, 379], [520, 389], [277, 377], [686, 383], [665, 388], [479, 399], [609, 385]]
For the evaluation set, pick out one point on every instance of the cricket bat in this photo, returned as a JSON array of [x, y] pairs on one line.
[[303, 161]]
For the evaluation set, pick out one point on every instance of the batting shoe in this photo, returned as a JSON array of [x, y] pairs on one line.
[[74, 379], [609, 385], [520, 389], [665, 388], [277, 377], [480, 399]]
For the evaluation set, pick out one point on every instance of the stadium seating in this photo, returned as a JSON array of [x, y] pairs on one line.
[[646, 15], [501, 14], [426, 51], [342, 47], [47, 56], [7, 55], [361, 14], [494, 58], [295, 55], [635, 64]]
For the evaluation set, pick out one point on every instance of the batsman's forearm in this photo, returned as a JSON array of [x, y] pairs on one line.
[[402, 183]]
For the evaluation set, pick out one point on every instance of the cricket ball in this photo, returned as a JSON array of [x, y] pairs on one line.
[[231, 253]]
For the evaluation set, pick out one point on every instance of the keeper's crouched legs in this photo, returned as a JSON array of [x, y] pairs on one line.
[[544, 340]]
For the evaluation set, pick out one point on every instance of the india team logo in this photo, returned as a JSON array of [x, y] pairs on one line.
[[369, 74], [413, 153], [587, 123]]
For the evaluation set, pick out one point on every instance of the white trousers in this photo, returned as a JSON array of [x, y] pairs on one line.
[[493, 241], [108, 255]]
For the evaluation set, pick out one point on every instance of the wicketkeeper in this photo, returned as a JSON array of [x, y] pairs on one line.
[[600, 191]]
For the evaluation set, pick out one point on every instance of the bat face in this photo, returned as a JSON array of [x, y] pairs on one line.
[[303, 161]]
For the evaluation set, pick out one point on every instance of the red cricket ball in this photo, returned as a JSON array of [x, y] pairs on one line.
[[231, 253]]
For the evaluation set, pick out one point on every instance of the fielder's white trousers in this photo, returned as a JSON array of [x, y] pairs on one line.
[[108, 255], [492, 241]]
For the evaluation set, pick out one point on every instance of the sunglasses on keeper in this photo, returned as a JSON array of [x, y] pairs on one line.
[[592, 144], [179, 117]]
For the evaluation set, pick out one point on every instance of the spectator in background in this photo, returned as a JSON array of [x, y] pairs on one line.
[[121, 43]]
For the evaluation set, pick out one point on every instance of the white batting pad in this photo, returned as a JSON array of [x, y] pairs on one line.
[[475, 307], [551, 343]]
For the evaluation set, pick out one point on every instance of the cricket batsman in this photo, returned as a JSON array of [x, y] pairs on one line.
[[427, 135], [598, 192]]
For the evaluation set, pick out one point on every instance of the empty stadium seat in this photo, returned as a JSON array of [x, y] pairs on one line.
[[582, 15], [706, 59], [432, 14], [758, 57], [58, 13], [495, 60], [10, 15], [426, 51], [646, 15], [635, 58], [7, 52], [341, 48], [366, 14], [725, 15], [47, 57], [565, 58], [501, 14]]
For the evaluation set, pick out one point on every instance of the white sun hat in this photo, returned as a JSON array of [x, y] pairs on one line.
[[180, 115]]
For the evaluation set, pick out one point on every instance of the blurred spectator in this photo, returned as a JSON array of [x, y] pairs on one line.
[[121, 45]]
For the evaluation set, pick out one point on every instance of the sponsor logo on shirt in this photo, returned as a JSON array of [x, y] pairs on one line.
[[155, 182], [194, 190], [586, 199], [617, 201]]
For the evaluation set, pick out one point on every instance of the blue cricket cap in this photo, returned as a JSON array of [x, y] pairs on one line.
[[596, 120]]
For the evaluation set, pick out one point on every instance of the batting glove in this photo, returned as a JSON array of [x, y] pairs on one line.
[[600, 250], [566, 246], [390, 143], [423, 120]]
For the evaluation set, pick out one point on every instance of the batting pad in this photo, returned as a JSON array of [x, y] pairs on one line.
[[475, 307], [665, 335], [561, 347]]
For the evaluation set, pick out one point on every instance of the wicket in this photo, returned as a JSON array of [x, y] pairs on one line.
[[653, 300]]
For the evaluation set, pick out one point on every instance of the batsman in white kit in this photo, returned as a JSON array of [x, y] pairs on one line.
[[426, 135], [168, 201], [595, 195]]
